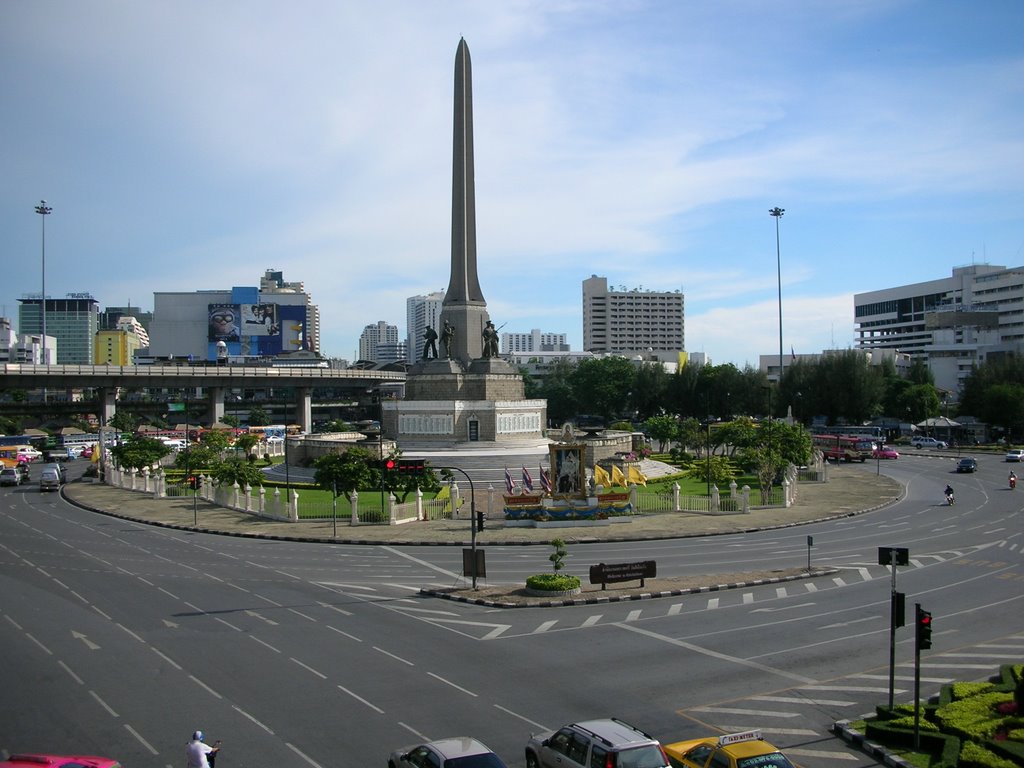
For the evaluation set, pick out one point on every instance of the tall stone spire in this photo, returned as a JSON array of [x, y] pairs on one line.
[[464, 306]]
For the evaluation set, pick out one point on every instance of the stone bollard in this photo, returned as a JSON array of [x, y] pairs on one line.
[[354, 501]]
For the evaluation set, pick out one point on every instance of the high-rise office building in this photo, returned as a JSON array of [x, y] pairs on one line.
[[534, 341], [276, 318], [953, 323], [110, 315], [379, 343], [421, 311], [118, 346], [72, 321], [631, 322]]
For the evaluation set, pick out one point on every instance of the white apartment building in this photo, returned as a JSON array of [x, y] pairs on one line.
[[24, 347], [378, 339], [953, 323], [421, 311], [631, 322], [534, 341]]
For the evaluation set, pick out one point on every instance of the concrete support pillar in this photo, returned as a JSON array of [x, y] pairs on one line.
[[215, 404], [108, 403], [304, 408]]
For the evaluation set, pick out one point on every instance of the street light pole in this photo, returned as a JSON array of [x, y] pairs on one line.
[[472, 516], [777, 213], [43, 210]]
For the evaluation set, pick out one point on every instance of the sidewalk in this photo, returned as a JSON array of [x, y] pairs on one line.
[[850, 490]]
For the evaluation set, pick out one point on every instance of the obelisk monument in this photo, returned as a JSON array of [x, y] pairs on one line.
[[464, 306], [467, 396]]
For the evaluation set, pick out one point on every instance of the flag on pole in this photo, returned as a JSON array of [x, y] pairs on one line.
[[509, 485], [601, 476], [636, 476], [545, 481], [617, 477], [792, 354], [527, 480]]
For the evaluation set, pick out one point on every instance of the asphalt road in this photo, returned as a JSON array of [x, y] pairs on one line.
[[121, 638]]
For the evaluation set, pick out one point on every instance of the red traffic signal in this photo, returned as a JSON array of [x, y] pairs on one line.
[[412, 466], [923, 628], [389, 463]]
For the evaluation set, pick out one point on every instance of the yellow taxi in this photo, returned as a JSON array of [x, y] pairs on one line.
[[747, 749]]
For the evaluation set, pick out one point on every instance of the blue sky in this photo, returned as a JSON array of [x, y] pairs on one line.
[[192, 145]]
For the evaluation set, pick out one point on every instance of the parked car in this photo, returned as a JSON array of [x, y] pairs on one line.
[[885, 452], [926, 442], [729, 751], [1015, 454], [967, 464], [610, 742], [58, 761], [455, 752]]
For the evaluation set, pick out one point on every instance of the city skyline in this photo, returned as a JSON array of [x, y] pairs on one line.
[[643, 142]]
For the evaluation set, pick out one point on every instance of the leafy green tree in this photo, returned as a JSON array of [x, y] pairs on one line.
[[258, 416], [123, 421], [720, 468], [231, 420], [691, 434], [215, 439], [139, 451], [604, 385], [739, 435], [558, 390], [197, 456], [664, 429], [236, 470], [531, 387], [1003, 405], [246, 442], [347, 472], [650, 385]]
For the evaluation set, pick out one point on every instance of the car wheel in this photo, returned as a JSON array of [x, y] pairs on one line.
[[531, 760]]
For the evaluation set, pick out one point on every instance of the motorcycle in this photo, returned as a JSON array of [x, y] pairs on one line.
[[1013, 481], [950, 500]]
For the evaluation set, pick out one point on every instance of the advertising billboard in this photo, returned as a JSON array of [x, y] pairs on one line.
[[260, 320], [224, 322]]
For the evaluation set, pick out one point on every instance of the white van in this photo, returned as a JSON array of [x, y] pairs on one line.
[[50, 478]]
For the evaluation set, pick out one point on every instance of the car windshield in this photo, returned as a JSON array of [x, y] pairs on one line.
[[774, 760], [640, 757], [485, 760]]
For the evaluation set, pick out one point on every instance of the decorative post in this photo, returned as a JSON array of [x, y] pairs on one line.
[[456, 500], [248, 498], [746, 499], [293, 507], [263, 500], [392, 512], [353, 499], [716, 499], [419, 504], [786, 486], [675, 497]]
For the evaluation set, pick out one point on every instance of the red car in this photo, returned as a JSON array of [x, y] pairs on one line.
[[885, 452], [58, 761]]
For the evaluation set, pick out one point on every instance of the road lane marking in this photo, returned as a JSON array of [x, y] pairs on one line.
[[453, 685], [361, 699], [535, 724], [393, 656], [715, 654]]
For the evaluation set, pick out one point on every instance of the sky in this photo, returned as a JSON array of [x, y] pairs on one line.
[[188, 145]]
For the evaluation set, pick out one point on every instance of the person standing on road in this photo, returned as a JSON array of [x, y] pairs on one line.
[[201, 755]]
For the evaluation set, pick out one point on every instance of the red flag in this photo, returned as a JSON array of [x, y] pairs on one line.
[[545, 481]]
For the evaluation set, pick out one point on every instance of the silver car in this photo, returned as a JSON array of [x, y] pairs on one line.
[[610, 743], [454, 752]]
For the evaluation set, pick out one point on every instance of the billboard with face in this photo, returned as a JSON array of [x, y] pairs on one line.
[[260, 320], [224, 322]]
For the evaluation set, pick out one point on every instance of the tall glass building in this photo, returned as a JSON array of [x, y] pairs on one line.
[[72, 321]]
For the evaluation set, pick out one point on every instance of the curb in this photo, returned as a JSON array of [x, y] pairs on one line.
[[842, 729], [623, 598]]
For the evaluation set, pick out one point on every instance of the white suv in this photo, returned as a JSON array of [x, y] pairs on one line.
[[608, 743], [926, 442]]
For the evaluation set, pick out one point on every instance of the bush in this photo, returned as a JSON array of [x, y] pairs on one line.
[[976, 756], [553, 582]]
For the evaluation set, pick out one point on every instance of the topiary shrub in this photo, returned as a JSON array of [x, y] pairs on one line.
[[553, 582]]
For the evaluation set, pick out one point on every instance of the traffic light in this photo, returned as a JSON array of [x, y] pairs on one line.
[[924, 628], [388, 463]]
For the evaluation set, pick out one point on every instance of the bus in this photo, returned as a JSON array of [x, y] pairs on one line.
[[12, 455], [271, 430], [843, 447], [852, 430]]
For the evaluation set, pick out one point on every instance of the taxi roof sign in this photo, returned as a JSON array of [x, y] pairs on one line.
[[736, 738]]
